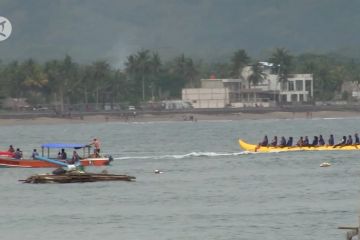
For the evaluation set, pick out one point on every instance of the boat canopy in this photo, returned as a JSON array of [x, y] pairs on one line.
[[64, 145]]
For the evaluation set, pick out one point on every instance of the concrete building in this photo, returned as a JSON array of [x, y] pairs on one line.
[[219, 93]]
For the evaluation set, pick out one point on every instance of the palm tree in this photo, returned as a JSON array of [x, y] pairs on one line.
[[238, 61], [282, 61], [256, 75]]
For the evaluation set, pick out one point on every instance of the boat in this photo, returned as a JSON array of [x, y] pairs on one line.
[[76, 177], [7, 160], [255, 148]]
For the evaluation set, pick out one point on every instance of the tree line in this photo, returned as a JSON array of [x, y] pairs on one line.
[[146, 76]]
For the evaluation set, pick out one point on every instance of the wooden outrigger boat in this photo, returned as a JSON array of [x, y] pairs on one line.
[[73, 173], [255, 148], [7, 160], [76, 177]]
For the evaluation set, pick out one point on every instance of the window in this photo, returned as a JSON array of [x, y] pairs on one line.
[[301, 96], [294, 97], [291, 86], [299, 85], [308, 86]]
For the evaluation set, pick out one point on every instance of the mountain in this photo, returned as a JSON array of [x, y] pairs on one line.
[[208, 29]]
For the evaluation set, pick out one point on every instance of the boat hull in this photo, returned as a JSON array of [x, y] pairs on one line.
[[254, 148], [27, 163]]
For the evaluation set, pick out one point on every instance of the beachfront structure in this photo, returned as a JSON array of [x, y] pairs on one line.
[[220, 93]]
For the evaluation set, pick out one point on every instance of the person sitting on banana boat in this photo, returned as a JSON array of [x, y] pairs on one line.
[[357, 140], [321, 140], [306, 141], [264, 142], [341, 143], [289, 142], [349, 140], [282, 142], [300, 142], [331, 141], [274, 142], [315, 141]]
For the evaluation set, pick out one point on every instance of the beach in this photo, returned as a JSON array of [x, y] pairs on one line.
[[169, 117]]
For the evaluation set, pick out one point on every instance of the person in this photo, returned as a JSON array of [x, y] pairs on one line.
[[349, 140], [321, 141], [18, 153], [11, 149], [274, 142], [357, 141], [95, 154], [341, 143], [331, 141], [264, 142], [63, 154], [289, 142], [75, 158], [300, 142], [282, 142], [306, 141], [315, 141], [96, 144], [34, 154]]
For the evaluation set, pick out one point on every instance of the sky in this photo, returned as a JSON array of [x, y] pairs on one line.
[[90, 30]]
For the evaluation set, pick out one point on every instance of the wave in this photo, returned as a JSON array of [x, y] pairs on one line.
[[188, 155]]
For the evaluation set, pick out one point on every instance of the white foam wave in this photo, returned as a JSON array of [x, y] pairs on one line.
[[188, 155]]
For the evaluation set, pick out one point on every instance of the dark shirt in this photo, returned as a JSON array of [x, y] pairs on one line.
[[289, 142], [306, 142], [357, 141], [349, 141], [321, 141], [283, 142], [265, 142], [315, 142], [331, 140], [274, 142]]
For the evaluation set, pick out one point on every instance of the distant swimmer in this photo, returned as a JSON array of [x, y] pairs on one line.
[[158, 171]]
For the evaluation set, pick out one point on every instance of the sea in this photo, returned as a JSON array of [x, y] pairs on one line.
[[209, 188]]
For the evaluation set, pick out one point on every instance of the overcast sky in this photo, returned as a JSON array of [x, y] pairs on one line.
[[208, 29]]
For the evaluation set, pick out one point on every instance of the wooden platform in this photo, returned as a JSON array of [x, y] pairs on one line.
[[76, 177]]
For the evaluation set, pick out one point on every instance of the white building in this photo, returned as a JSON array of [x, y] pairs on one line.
[[219, 93]]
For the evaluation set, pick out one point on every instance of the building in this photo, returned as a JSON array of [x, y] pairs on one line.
[[220, 93]]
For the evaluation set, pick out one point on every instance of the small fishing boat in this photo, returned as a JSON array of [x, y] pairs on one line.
[[76, 177], [84, 150], [256, 148]]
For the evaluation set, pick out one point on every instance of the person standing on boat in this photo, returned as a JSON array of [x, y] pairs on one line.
[[96, 144], [331, 140], [274, 142], [321, 141], [34, 154]]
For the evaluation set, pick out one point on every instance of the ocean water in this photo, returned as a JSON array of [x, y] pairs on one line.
[[209, 188]]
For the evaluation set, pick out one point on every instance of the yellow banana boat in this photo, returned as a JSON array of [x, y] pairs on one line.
[[255, 148]]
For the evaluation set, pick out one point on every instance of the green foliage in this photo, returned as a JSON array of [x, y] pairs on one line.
[[147, 77]]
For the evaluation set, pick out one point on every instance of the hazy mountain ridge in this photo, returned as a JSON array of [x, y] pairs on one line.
[[89, 30]]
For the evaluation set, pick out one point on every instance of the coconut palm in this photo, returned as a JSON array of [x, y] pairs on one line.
[[238, 61], [257, 75]]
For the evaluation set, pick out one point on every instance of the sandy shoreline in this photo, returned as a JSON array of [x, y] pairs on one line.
[[181, 117]]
